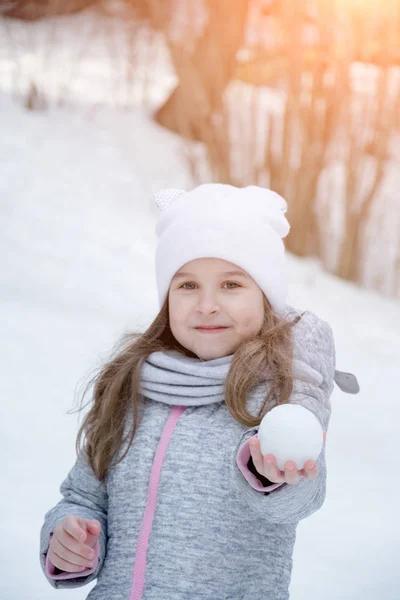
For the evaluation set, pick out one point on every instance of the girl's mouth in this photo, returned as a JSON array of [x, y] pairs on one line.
[[211, 329]]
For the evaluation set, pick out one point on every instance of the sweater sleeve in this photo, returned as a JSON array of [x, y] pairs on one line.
[[313, 382], [85, 496]]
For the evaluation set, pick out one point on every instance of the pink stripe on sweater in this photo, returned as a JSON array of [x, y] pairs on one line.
[[143, 539]]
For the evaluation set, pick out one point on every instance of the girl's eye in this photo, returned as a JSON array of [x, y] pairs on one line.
[[232, 283], [228, 282]]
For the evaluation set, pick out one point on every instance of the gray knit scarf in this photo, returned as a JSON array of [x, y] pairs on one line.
[[172, 378]]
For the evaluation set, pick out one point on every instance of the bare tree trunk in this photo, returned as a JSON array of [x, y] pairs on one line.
[[350, 258], [350, 255], [41, 9], [213, 64]]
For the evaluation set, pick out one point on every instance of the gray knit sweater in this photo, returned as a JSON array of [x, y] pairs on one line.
[[183, 517]]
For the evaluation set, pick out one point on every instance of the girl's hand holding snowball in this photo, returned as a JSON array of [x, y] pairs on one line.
[[289, 441], [266, 466], [72, 543]]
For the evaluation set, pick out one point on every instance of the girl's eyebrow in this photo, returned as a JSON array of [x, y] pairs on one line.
[[226, 274]]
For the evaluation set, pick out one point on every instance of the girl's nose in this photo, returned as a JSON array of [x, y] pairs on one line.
[[207, 303]]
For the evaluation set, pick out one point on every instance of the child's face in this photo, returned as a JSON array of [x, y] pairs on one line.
[[210, 297]]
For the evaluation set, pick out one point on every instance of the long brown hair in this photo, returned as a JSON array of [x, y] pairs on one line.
[[117, 384]]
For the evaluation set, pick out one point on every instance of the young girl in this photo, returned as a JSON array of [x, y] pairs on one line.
[[170, 497]]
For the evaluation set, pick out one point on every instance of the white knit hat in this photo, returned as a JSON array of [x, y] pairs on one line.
[[244, 226]]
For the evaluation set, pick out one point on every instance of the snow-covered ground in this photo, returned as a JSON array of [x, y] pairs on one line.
[[77, 243]]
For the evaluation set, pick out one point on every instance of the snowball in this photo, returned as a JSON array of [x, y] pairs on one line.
[[291, 432]]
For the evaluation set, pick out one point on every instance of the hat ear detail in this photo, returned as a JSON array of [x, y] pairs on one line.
[[163, 198]]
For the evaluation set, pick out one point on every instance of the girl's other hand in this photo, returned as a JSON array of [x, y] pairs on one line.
[[72, 543]]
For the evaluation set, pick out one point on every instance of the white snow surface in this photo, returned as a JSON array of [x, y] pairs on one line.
[[77, 243]]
